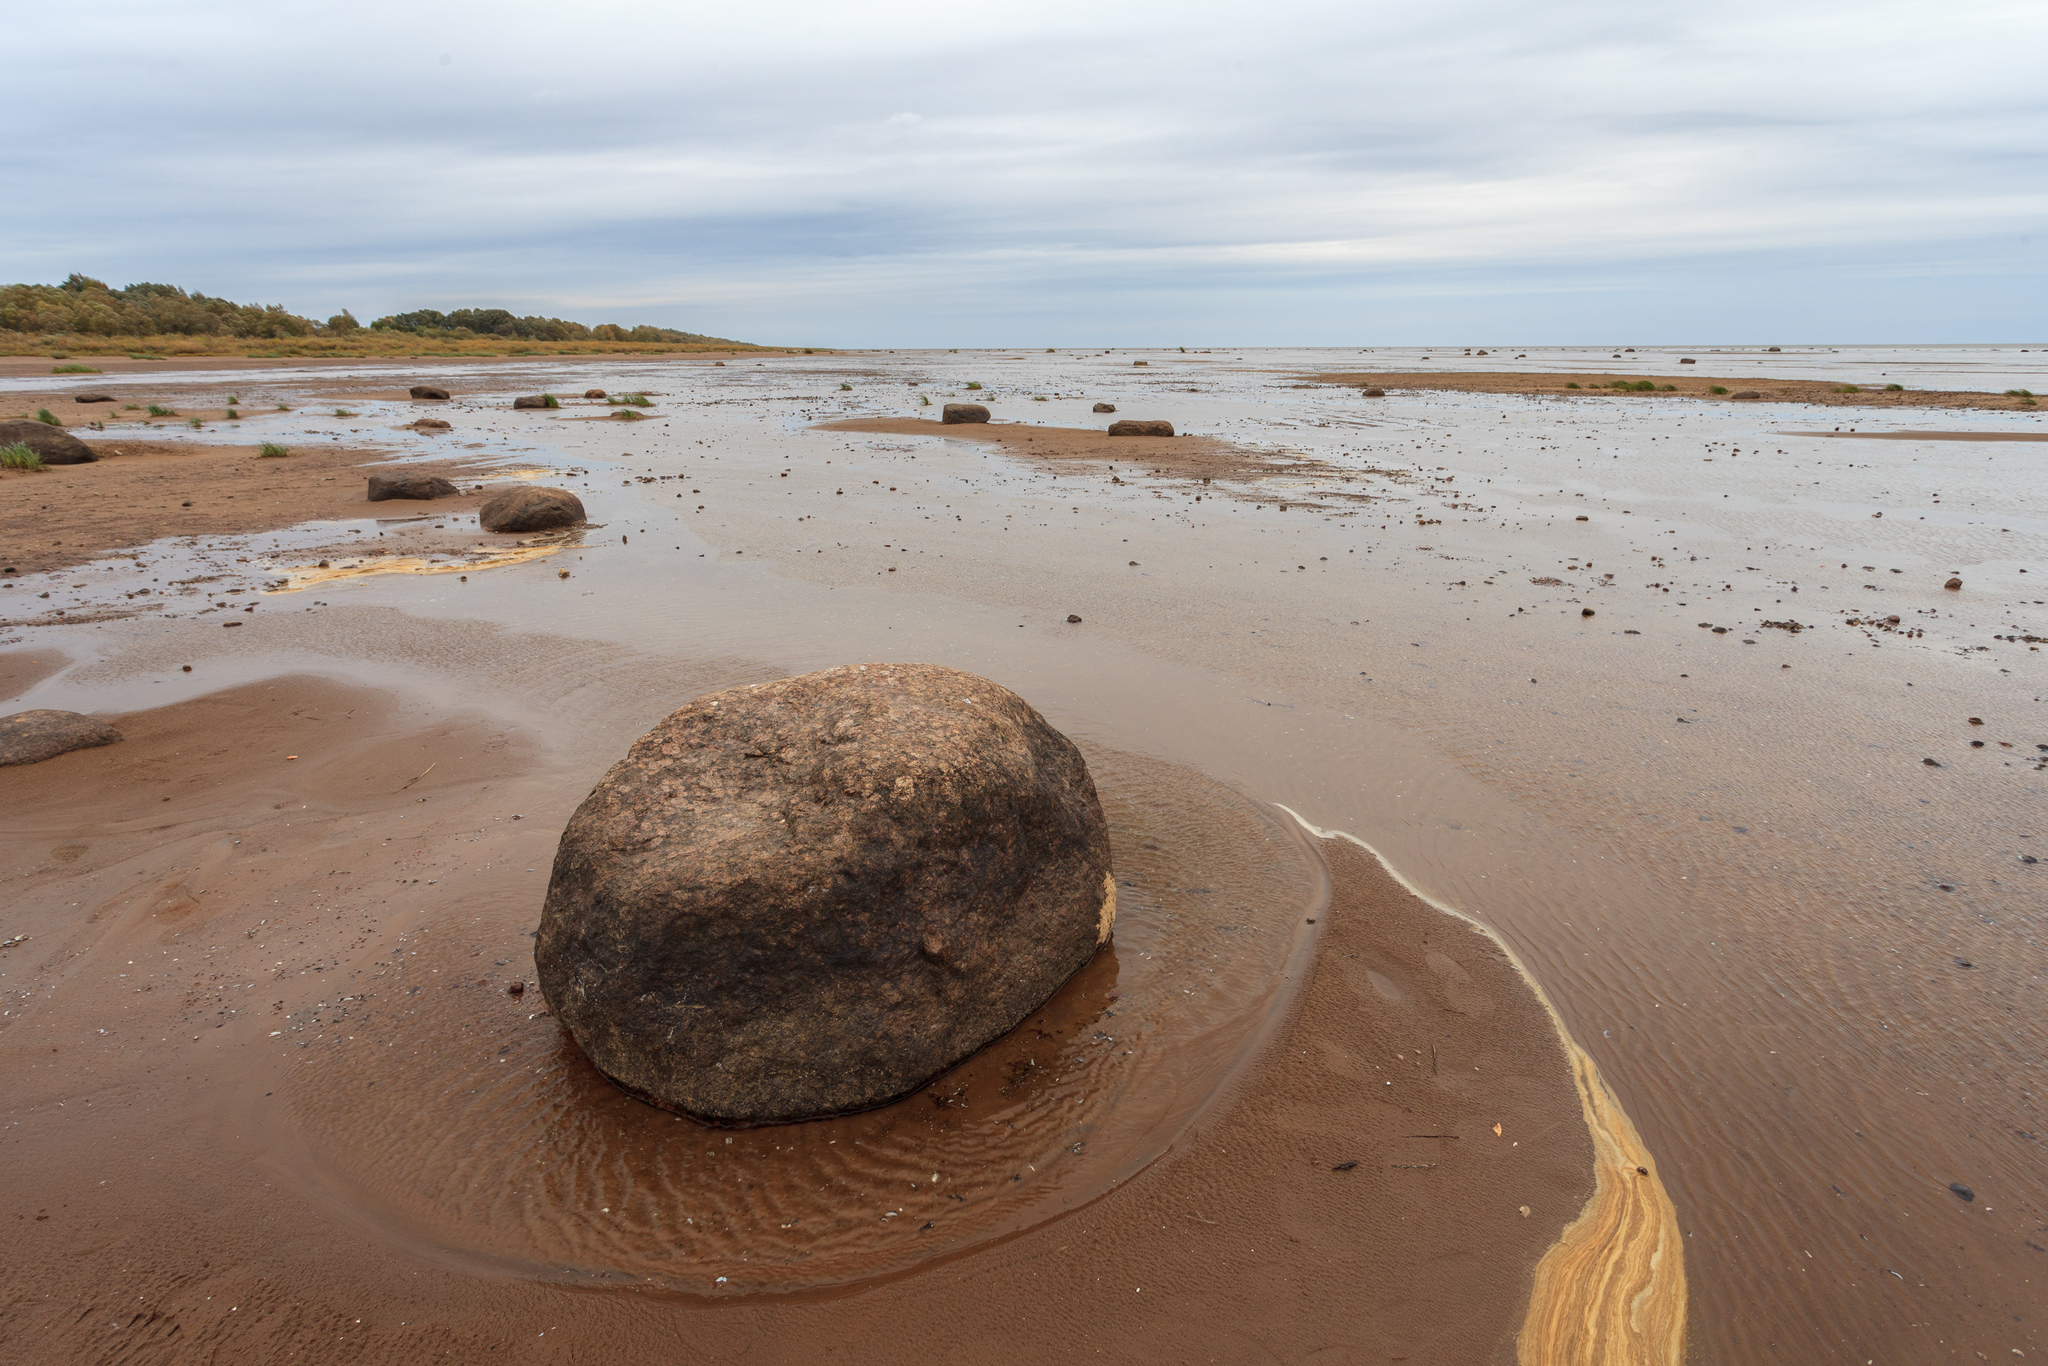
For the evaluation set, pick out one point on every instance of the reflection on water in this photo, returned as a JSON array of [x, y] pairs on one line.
[[470, 1123]]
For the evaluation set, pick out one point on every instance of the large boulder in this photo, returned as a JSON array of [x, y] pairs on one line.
[[536, 401], [384, 487], [963, 412], [530, 508], [55, 445], [428, 391], [29, 737], [813, 896], [1134, 427]]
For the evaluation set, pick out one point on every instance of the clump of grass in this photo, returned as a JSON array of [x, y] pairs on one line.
[[844, 385], [628, 415], [973, 384], [45, 415], [234, 416], [73, 370], [1717, 388], [549, 400], [270, 450], [1040, 398], [131, 407], [1635, 386], [1572, 385], [233, 402], [158, 410], [343, 412], [97, 426], [925, 399], [194, 423], [16, 456], [2019, 393], [284, 407], [1668, 388], [1848, 389], [631, 400], [142, 355], [1895, 388]]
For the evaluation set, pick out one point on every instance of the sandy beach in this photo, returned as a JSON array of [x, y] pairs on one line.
[[1576, 863]]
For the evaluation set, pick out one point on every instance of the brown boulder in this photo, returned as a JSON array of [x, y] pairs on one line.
[[528, 508], [29, 737], [1105, 407], [55, 445], [428, 391], [432, 424], [92, 398], [1745, 393], [384, 487], [536, 401], [1372, 391], [593, 393], [963, 412], [813, 896], [1134, 427]]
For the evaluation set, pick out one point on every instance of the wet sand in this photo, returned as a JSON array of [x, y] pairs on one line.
[[236, 950], [1590, 383], [1797, 954]]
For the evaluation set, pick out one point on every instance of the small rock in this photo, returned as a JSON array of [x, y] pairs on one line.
[[593, 393], [428, 391], [1931, 763], [1688, 360], [433, 424], [963, 412], [1105, 407], [1141, 362], [531, 401], [29, 737], [92, 398], [53, 444], [1954, 585], [1373, 392], [1746, 393], [1585, 611], [1962, 1192], [384, 487], [1073, 620], [530, 508], [516, 989], [1135, 427]]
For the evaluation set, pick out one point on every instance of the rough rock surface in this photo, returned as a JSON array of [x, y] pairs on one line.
[[92, 398], [528, 508], [964, 412], [1373, 392], [432, 424], [1105, 407], [384, 487], [1133, 427], [428, 391], [531, 401], [593, 393], [29, 737], [1746, 393], [55, 445], [813, 896]]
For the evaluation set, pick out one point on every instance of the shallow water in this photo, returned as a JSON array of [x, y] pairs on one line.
[[1809, 962]]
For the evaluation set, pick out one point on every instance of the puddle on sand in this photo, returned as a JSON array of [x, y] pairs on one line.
[[469, 1126]]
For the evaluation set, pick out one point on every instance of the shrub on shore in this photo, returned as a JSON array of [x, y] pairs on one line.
[[45, 415], [16, 456], [158, 410], [1717, 388], [73, 370], [270, 450]]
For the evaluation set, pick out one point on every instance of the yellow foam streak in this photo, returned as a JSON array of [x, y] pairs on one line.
[[1611, 1290], [311, 575]]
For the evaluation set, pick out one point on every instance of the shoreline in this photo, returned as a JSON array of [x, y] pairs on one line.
[[1599, 384]]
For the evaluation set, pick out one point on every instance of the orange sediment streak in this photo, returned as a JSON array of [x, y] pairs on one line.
[[1611, 1289], [312, 576]]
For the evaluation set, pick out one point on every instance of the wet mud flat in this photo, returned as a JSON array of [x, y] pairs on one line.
[[270, 1090]]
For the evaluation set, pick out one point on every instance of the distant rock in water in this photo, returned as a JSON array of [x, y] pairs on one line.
[[29, 737], [593, 393], [529, 508], [428, 391], [1105, 407], [1372, 391], [963, 412], [813, 896], [1133, 427], [432, 424], [92, 398], [384, 487], [534, 401], [53, 445]]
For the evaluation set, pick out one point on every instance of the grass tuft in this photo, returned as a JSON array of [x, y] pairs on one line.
[[270, 450], [45, 415], [628, 415], [2019, 393], [974, 384], [1635, 386], [16, 456], [550, 401], [158, 410], [194, 423], [631, 400], [925, 399], [284, 407], [1895, 388], [1717, 388], [234, 416], [73, 370], [343, 412], [1848, 389], [1572, 385]]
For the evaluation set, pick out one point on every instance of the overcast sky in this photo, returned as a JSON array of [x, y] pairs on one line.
[[1055, 173]]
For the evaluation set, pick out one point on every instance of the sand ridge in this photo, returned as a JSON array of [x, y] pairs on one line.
[[1597, 384]]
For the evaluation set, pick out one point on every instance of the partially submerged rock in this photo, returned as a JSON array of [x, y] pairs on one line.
[[963, 412], [53, 445], [535, 401], [812, 896], [1134, 427], [432, 424], [29, 737], [1105, 407], [384, 487], [1372, 391], [593, 393], [428, 391], [530, 508]]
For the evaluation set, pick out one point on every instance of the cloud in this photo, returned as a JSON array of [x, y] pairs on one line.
[[904, 172]]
